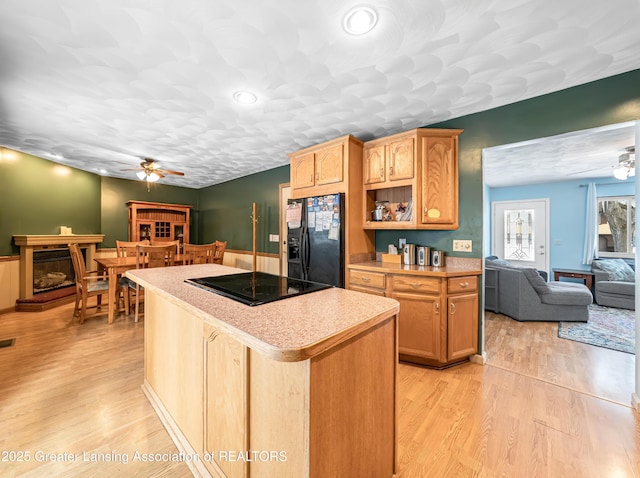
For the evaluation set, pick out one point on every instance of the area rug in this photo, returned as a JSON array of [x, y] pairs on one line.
[[607, 327]]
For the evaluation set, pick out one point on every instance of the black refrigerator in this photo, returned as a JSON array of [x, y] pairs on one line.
[[315, 239]]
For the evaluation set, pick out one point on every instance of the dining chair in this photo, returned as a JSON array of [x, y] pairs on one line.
[[126, 285], [198, 254], [176, 243], [88, 283], [152, 256], [218, 254]]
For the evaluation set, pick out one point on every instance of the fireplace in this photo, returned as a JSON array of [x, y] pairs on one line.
[[52, 269], [40, 257]]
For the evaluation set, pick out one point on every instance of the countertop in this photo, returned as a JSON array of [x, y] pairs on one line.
[[289, 330], [412, 269]]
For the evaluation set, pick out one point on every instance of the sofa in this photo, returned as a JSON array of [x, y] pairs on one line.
[[524, 295], [614, 283]]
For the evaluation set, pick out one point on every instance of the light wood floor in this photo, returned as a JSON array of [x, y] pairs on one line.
[[76, 389]]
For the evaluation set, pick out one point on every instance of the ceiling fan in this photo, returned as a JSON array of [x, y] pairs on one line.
[[626, 166], [151, 171]]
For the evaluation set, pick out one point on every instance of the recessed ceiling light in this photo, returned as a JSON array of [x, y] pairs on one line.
[[360, 20], [245, 97]]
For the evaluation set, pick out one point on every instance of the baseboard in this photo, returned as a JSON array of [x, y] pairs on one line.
[[196, 465], [480, 359]]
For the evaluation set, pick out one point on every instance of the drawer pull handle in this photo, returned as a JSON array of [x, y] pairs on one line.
[[453, 309], [365, 279], [464, 285], [415, 285]]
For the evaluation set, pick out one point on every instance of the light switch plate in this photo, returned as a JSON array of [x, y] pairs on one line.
[[462, 245], [274, 238]]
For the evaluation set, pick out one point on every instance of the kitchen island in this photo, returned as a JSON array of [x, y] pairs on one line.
[[300, 387]]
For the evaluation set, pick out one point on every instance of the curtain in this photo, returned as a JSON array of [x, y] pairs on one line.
[[591, 226]]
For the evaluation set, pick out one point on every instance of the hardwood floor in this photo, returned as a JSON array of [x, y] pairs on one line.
[[533, 411]]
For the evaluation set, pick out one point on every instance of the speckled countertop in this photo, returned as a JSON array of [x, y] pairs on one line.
[[289, 330], [450, 270]]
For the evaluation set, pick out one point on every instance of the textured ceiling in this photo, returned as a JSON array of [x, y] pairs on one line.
[[99, 82], [578, 155]]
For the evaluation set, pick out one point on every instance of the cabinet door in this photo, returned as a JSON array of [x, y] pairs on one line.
[[330, 165], [440, 181], [419, 325], [401, 159], [462, 326], [225, 401], [303, 171], [374, 164]]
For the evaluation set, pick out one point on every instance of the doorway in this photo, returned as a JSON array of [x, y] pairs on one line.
[[284, 196]]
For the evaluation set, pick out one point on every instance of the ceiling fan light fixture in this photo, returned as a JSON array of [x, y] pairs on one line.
[[626, 167], [360, 20], [141, 174], [245, 97]]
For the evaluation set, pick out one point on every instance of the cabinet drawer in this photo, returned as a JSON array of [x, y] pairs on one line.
[[416, 284], [368, 279], [367, 290], [462, 284]]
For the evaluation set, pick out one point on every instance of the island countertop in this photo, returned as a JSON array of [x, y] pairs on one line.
[[287, 330]]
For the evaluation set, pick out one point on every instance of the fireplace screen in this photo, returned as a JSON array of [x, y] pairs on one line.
[[52, 269]]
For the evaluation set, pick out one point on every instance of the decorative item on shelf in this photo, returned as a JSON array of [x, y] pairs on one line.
[[382, 212]]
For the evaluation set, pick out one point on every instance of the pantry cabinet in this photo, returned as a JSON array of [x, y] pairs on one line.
[[415, 174], [438, 319]]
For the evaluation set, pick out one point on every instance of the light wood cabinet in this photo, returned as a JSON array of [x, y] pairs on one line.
[[417, 169], [438, 319], [440, 181], [158, 222], [330, 168], [324, 168], [386, 163]]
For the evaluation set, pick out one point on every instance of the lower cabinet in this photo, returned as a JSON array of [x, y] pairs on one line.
[[438, 320]]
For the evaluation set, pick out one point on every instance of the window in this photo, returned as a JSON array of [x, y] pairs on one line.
[[616, 226]]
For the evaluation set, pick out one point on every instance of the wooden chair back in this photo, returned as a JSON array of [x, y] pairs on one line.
[[198, 254], [155, 256], [88, 283], [79, 268], [128, 249], [218, 253], [175, 244]]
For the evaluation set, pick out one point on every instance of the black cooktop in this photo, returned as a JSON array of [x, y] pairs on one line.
[[256, 288]]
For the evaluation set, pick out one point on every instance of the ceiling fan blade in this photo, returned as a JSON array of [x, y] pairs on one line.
[[166, 171], [582, 172]]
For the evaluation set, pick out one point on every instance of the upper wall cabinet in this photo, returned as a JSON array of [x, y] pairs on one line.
[[413, 178], [324, 168]]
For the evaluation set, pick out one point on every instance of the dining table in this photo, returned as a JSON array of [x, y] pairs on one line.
[[116, 266]]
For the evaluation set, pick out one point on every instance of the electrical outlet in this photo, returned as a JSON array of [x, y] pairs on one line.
[[462, 245]]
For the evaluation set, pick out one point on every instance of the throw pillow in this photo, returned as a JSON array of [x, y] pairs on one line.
[[534, 278], [617, 269]]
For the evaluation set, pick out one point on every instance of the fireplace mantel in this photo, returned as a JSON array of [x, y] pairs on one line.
[[30, 242]]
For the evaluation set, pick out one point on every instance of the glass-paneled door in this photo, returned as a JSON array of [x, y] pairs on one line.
[[519, 232]]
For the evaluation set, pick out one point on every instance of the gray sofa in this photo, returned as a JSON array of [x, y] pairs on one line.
[[615, 284], [524, 295]]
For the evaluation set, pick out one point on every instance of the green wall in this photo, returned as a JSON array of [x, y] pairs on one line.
[[225, 211], [38, 196], [117, 192]]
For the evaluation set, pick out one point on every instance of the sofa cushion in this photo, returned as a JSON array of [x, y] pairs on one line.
[[567, 293], [617, 287], [535, 279], [498, 262], [617, 269]]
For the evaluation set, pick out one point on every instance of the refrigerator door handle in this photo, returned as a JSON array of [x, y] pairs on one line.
[[303, 252]]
